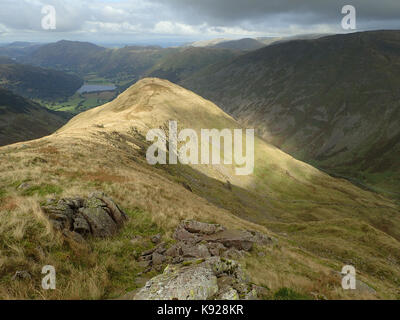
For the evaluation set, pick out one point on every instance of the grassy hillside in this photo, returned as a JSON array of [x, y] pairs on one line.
[[321, 223], [332, 101], [22, 119], [181, 63], [64, 55]]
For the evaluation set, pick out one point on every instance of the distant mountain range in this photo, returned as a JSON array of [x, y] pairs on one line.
[[332, 101], [131, 62]]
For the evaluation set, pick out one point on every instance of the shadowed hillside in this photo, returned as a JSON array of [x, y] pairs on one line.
[[22, 119], [37, 83], [332, 101]]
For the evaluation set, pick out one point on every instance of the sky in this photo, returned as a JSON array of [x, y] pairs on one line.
[[180, 21]]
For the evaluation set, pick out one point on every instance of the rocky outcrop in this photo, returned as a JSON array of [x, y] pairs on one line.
[[198, 240], [203, 279], [200, 265], [79, 218]]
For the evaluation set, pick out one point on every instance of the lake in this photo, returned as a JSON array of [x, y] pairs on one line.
[[87, 88]]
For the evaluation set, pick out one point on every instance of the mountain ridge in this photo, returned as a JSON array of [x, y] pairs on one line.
[[319, 222], [303, 96]]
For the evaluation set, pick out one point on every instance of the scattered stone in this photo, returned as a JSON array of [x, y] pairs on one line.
[[198, 240], [24, 186], [156, 239], [157, 259], [97, 215], [21, 275], [201, 227], [38, 160]]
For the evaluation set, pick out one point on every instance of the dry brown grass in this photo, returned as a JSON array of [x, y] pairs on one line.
[[80, 159]]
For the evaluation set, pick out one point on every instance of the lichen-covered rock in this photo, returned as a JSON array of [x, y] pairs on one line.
[[202, 279], [229, 294], [181, 283], [97, 215]]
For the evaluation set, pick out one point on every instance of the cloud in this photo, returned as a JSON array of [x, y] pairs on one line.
[[192, 18]]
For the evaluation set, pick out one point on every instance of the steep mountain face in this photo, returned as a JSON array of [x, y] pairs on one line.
[[332, 101], [179, 64], [319, 223], [35, 82], [22, 119], [130, 61]]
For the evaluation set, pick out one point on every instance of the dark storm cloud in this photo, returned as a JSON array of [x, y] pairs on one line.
[[307, 12]]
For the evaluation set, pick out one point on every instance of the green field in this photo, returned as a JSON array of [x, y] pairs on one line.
[[78, 102]]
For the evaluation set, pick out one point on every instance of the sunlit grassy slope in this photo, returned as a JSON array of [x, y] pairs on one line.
[[321, 223]]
